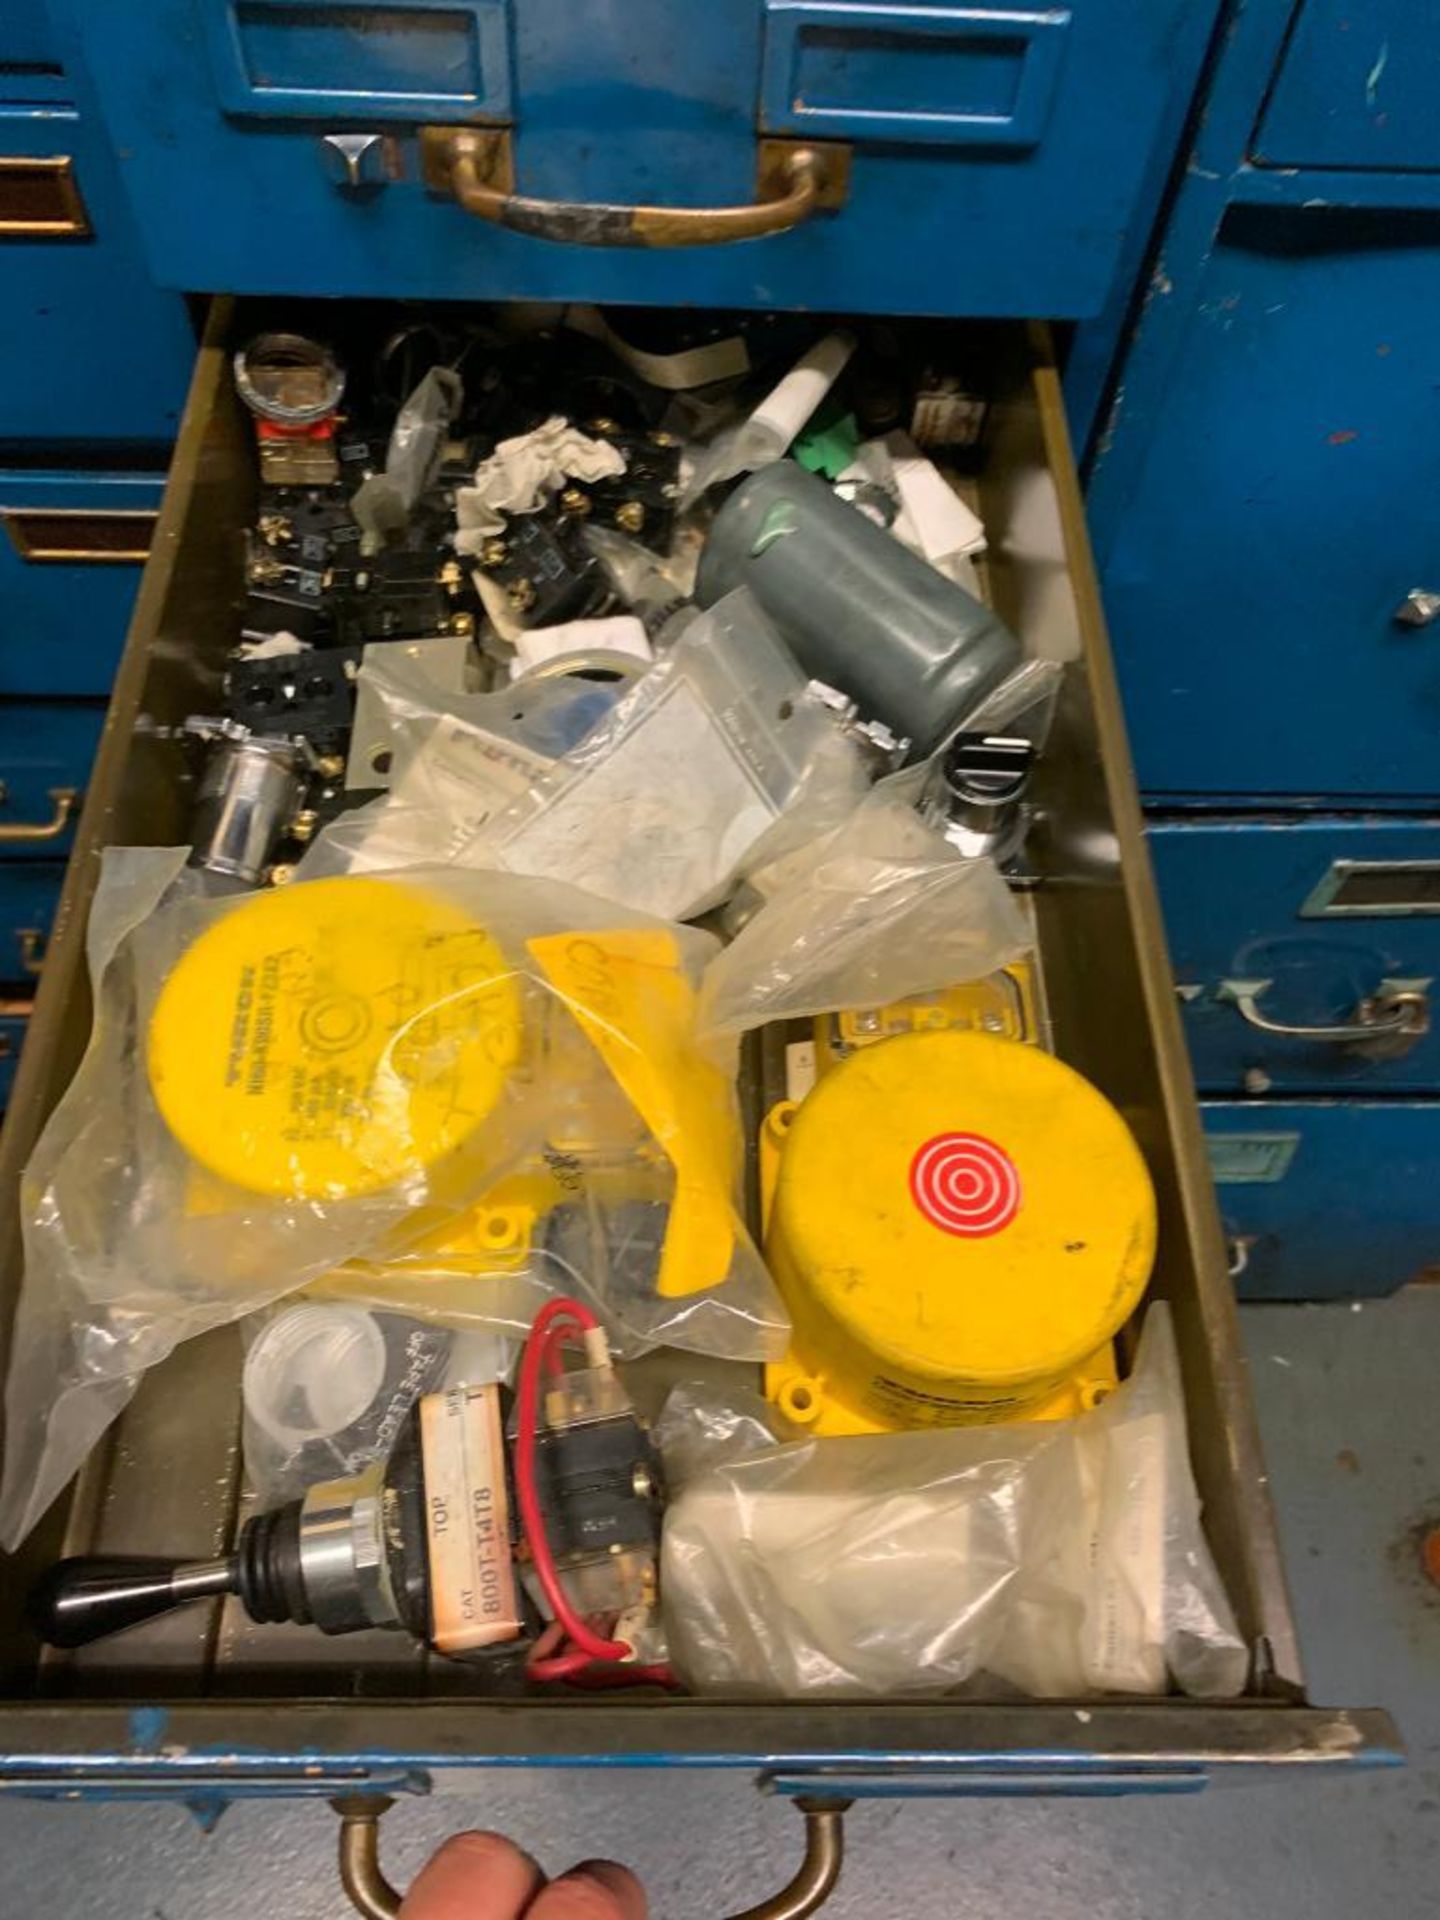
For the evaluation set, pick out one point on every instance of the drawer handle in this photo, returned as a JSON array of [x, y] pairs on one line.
[[371, 1894], [1397, 1015], [17, 833], [31, 942], [795, 180], [69, 536]]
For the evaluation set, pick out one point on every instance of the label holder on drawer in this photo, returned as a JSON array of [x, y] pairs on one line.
[[994, 72], [1375, 889], [40, 198], [290, 59], [72, 536]]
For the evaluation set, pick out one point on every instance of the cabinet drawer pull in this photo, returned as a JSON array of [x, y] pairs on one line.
[[795, 179], [371, 1894], [31, 943], [1395, 1016], [72, 536], [14, 833], [40, 200]]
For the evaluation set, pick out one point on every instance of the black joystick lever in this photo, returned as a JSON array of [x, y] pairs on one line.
[[83, 1599], [287, 1565], [330, 1560]]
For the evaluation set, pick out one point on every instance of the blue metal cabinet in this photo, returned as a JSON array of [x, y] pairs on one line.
[[29, 895], [13, 1027], [1322, 1199], [1279, 512], [1333, 923], [1262, 494], [46, 749], [998, 150], [92, 350], [69, 567], [31, 63], [1356, 88]]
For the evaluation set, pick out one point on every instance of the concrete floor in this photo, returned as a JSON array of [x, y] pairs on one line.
[[1351, 1417]]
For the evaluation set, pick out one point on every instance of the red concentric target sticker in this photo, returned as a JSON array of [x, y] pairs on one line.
[[965, 1184]]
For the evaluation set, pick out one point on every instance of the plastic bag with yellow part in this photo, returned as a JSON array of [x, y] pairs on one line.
[[369, 1072]]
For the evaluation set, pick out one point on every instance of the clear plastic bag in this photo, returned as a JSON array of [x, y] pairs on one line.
[[877, 909], [326, 1387], [383, 504], [456, 761], [1062, 1558], [281, 1083], [662, 804], [1023, 704]]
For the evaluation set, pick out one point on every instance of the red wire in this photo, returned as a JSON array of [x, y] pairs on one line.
[[595, 1676], [564, 1666], [552, 1316]]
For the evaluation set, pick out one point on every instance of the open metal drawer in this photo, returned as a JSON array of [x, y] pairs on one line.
[[189, 1705]]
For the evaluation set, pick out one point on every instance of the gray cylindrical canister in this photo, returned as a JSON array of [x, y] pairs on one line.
[[248, 791], [859, 610]]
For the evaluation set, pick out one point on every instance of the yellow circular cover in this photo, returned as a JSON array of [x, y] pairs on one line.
[[330, 1039], [957, 1215]]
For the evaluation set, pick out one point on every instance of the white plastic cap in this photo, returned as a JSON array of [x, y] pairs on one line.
[[312, 1371]]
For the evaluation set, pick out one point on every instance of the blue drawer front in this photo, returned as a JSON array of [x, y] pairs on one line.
[[1263, 511], [1357, 88], [1327, 911], [1323, 1200], [13, 1028], [93, 350], [46, 747], [71, 551], [31, 59], [29, 895], [998, 150]]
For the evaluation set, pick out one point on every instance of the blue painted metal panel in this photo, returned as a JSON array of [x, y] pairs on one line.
[[1095, 346], [44, 745], [31, 61], [1357, 88], [13, 1028], [63, 621], [402, 60], [29, 895], [657, 102], [934, 73], [1240, 900], [27, 36], [92, 349], [1272, 510], [1326, 1199]]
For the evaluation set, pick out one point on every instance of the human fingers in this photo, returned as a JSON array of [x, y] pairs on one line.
[[474, 1876], [595, 1890]]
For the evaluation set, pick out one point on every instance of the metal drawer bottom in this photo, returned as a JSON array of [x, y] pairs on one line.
[[189, 1705]]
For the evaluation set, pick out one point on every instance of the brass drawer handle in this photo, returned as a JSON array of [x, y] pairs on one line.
[[31, 942], [71, 536], [15, 833], [371, 1894], [1394, 1017], [795, 179], [39, 199]]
